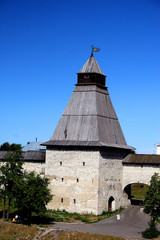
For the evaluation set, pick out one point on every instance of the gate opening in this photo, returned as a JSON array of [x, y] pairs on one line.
[[111, 204], [136, 192]]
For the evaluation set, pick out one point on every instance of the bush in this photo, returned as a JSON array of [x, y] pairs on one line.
[[151, 232]]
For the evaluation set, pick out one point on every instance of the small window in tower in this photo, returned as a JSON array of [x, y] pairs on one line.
[[61, 200], [77, 179], [86, 76], [60, 163], [74, 200], [83, 163], [62, 179]]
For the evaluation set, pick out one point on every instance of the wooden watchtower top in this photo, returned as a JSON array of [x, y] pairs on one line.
[[89, 120], [91, 73]]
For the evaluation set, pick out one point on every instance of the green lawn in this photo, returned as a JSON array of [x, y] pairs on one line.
[[138, 190]]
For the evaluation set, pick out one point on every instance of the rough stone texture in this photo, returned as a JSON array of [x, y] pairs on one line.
[[84, 189], [74, 180], [110, 182], [34, 166]]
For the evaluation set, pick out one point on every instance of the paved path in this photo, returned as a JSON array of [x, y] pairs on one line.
[[132, 222]]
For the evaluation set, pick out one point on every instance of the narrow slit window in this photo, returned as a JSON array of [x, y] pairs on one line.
[[62, 179], [83, 163], [77, 179], [61, 200], [74, 200], [60, 163]]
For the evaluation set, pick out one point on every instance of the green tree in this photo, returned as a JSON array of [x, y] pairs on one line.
[[11, 171], [32, 194], [10, 147], [29, 191], [152, 206]]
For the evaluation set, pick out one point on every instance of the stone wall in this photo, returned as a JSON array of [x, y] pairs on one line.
[[34, 166], [138, 173], [73, 178], [90, 181], [110, 182]]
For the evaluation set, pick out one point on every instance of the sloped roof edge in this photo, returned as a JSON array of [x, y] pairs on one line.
[[85, 143]]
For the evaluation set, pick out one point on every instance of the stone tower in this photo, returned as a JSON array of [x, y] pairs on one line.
[[85, 153]]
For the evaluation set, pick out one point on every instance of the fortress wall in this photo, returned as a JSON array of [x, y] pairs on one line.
[[136, 173], [110, 182], [73, 180], [34, 166]]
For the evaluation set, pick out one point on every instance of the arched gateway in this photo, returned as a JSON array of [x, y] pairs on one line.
[[139, 168]]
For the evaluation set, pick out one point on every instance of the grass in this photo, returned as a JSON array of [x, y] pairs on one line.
[[19, 232], [81, 236], [138, 190], [63, 216]]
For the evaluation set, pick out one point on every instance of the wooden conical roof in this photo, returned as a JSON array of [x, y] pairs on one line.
[[91, 66], [89, 118]]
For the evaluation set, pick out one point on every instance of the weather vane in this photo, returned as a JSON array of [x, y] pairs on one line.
[[94, 49]]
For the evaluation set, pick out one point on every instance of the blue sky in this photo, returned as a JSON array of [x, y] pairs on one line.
[[44, 43]]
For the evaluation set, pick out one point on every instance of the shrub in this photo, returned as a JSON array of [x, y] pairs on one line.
[[150, 233]]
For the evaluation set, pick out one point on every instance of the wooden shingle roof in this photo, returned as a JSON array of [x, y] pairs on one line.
[[142, 159], [34, 156], [91, 66], [89, 118]]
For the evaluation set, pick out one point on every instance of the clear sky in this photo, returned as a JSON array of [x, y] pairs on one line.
[[44, 43]]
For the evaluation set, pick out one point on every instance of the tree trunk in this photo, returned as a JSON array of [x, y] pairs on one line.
[[29, 218], [8, 210], [4, 207]]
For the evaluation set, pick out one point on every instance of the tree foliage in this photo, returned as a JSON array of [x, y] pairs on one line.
[[152, 205], [32, 194], [11, 170], [28, 191], [10, 147], [152, 199]]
